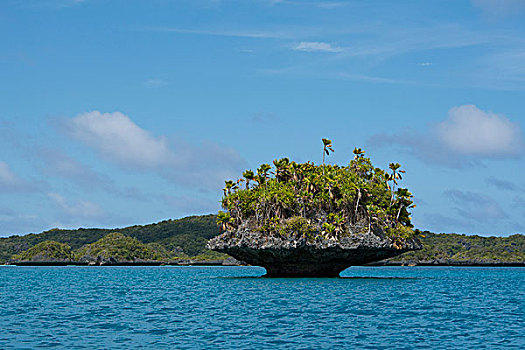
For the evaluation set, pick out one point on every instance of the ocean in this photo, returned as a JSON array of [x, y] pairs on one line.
[[235, 308]]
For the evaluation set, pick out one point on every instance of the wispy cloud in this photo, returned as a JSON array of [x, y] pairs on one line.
[[377, 44], [10, 182], [503, 185], [475, 206], [438, 222], [74, 213], [56, 163], [495, 60], [51, 4], [250, 51], [373, 79], [265, 118], [7, 177], [330, 4], [316, 46], [191, 204], [472, 213], [518, 201], [155, 83], [13, 222], [319, 4], [503, 69], [80, 209], [500, 8], [239, 33]]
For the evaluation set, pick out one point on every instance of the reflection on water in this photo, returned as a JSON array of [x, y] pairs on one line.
[[317, 278]]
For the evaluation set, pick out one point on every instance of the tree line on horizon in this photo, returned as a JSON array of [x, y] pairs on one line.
[[187, 237]]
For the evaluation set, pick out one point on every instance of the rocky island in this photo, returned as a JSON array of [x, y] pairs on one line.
[[306, 220]]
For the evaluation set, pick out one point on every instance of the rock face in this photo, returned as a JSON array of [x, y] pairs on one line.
[[302, 257]]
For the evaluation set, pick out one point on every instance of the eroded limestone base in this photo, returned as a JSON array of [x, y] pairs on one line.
[[302, 258]]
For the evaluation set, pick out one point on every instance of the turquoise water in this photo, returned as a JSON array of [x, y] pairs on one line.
[[232, 307]]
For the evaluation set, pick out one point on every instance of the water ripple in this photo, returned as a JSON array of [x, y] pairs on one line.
[[233, 307]]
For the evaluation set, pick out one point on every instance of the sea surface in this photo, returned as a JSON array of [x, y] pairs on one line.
[[235, 308]]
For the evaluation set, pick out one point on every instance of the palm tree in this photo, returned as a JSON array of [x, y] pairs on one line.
[[358, 153], [281, 169], [224, 220], [259, 179], [229, 186], [396, 174], [404, 199], [263, 170], [249, 176], [327, 147]]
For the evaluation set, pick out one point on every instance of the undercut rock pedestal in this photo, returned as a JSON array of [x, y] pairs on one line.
[[302, 257]]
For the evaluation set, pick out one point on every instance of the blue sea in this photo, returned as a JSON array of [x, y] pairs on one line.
[[235, 308]]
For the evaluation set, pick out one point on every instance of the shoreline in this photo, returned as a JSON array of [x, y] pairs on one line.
[[125, 263], [451, 263], [229, 263]]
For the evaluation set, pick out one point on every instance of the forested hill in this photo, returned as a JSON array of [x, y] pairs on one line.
[[187, 237], [458, 249]]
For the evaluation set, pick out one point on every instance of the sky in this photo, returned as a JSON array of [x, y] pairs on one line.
[[123, 112]]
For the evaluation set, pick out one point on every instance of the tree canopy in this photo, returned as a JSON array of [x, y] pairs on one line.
[[181, 237], [190, 231], [327, 200], [46, 250], [119, 247]]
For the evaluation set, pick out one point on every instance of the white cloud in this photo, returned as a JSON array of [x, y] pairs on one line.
[[316, 46], [466, 137], [116, 137], [471, 131]]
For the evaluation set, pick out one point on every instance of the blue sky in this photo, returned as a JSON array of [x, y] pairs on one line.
[[115, 113]]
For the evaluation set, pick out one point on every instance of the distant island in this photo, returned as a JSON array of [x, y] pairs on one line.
[[183, 242], [179, 242]]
